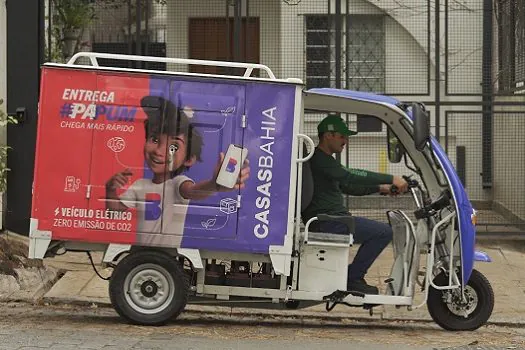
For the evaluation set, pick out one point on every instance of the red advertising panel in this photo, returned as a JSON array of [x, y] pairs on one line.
[[90, 128]]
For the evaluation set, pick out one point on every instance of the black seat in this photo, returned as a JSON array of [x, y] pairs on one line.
[[307, 189], [307, 193]]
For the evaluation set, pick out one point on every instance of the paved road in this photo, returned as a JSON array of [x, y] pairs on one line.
[[52, 327]]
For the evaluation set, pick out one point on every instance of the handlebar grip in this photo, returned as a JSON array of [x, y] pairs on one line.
[[411, 183], [394, 189]]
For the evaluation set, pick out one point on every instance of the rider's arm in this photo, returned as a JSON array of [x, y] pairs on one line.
[[355, 177], [327, 167], [359, 190]]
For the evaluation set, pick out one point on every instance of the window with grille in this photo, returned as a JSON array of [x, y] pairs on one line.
[[363, 52], [511, 45], [318, 51], [363, 56]]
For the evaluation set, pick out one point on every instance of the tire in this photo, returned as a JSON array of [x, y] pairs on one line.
[[148, 288], [481, 296], [292, 304]]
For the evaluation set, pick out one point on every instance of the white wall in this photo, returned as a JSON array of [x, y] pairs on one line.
[[466, 128], [509, 157], [282, 38], [465, 50], [111, 24], [407, 63], [406, 72], [406, 59]]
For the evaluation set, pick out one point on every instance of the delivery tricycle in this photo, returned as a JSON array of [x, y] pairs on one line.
[[192, 186]]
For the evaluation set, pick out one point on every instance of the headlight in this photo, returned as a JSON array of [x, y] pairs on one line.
[[474, 217]]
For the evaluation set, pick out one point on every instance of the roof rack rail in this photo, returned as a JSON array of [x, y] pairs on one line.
[[94, 56]]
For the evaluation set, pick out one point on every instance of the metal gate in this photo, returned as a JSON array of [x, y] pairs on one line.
[[464, 59]]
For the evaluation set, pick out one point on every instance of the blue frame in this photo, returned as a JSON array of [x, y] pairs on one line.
[[464, 208]]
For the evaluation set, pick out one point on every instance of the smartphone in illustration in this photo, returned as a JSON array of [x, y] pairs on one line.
[[171, 155], [231, 166]]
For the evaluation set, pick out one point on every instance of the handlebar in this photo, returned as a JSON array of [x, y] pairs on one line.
[[424, 211], [394, 189], [428, 210], [411, 184]]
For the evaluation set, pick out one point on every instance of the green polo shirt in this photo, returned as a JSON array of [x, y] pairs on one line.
[[332, 180]]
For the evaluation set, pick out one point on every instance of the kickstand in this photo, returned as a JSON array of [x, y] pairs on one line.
[[330, 307]]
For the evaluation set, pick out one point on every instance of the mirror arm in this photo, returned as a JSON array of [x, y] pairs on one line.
[[417, 171]]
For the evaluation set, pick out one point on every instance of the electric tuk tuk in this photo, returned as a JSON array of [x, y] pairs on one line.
[[236, 245]]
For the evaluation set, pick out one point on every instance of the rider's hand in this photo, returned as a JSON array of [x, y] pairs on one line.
[[402, 185], [241, 180], [385, 189], [118, 180]]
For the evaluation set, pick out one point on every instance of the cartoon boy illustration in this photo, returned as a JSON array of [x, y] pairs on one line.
[[172, 146]]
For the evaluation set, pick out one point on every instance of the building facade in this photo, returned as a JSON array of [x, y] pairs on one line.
[[464, 59]]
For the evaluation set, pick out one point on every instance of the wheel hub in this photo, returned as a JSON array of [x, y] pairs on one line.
[[459, 306], [149, 288]]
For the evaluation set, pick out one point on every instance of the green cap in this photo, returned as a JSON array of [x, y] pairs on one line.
[[334, 123]]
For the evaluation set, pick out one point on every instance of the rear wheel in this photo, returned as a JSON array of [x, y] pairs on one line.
[[292, 304], [448, 310], [148, 288]]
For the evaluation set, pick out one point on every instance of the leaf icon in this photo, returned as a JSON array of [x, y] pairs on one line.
[[228, 110], [208, 223]]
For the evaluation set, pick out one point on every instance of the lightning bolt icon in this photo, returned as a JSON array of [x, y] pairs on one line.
[[56, 211]]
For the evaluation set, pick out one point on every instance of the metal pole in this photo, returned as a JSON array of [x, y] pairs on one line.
[[247, 31], [347, 76], [237, 30], [328, 44], [49, 31], [130, 41], [138, 47], [337, 39], [437, 72], [488, 94], [338, 36], [447, 115], [347, 47], [146, 25], [227, 21]]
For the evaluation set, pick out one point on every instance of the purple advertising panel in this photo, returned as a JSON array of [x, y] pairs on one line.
[[262, 212]]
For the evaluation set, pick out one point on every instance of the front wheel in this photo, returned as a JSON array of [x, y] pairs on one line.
[[449, 311], [148, 288]]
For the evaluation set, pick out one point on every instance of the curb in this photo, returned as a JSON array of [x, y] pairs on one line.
[[37, 294], [258, 315], [47, 285]]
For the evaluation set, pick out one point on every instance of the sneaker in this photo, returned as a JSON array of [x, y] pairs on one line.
[[361, 286]]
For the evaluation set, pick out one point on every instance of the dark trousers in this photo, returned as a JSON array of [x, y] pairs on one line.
[[373, 236]]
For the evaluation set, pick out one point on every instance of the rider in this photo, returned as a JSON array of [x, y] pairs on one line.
[[331, 180]]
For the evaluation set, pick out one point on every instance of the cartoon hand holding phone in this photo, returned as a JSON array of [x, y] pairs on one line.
[[233, 168]]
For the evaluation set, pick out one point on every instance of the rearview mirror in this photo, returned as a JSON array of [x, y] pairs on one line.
[[395, 148], [421, 126]]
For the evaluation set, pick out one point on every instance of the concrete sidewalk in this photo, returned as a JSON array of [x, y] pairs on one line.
[[506, 273]]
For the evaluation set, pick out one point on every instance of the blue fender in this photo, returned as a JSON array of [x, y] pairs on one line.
[[482, 256]]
